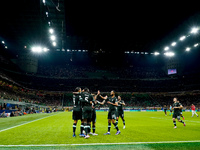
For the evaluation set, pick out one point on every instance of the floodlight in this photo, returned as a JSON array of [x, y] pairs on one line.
[[194, 30], [195, 45], [45, 49], [182, 38], [173, 44], [53, 38], [6, 47], [156, 53], [187, 49], [3, 42], [54, 43], [51, 31], [36, 49], [166, 48], [169, 54]]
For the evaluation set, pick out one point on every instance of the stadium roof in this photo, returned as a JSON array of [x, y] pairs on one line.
[[94, 25]]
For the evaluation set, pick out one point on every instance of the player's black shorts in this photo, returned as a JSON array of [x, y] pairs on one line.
[[176, 115], [165, 110], [77, 114], [170, 110], [93, 119], [87, 112], [120, 113], [112, 114]]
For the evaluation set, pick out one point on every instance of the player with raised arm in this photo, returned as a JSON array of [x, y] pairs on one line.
[[86, 110], [77, 110], [176, 115], [112, 102], [93, 119], [120, 111]]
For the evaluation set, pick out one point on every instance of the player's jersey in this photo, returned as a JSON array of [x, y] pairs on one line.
[[170, 107], [86, 98], [177, 104], [112, 100], [76, 101], [120, 106], [193, 108]]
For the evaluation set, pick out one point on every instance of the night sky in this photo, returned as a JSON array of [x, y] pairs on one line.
[[138, 25], [117, 25]]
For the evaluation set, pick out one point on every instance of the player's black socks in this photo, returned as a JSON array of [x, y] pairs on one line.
[[85, 128], [82, 128], [116, 127], [74, 128], [116, 121], [93, 128], [181, 121], [124, 122], [174, 123], [109, 126]]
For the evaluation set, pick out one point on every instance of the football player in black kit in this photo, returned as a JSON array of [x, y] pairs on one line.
[[120, 111], [93, 119], [112, 113], [77, 110], [87, 101], [176, 115]]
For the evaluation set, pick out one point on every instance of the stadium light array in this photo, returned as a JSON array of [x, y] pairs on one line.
[[173, 44], [47, 14], [169, 54], [194, 30], [195, 45], [52, 37], [38, 49], [187, 49], [156, 53], [166, 48], [182, 38], [54, 43], [51, 31]]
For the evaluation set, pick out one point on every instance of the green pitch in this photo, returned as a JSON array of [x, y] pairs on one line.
[[144, 130]]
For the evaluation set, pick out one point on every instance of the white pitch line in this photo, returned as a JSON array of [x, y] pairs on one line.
[[25, 123], [92, 144]]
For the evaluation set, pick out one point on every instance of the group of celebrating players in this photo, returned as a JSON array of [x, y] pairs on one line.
[[84, 110]]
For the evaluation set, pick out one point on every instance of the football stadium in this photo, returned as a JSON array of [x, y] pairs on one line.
[[99, 75]]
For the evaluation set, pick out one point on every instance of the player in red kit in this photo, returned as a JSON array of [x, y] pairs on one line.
[[194, 110]]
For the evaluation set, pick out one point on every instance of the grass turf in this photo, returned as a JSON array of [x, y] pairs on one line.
[[56, 128]]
